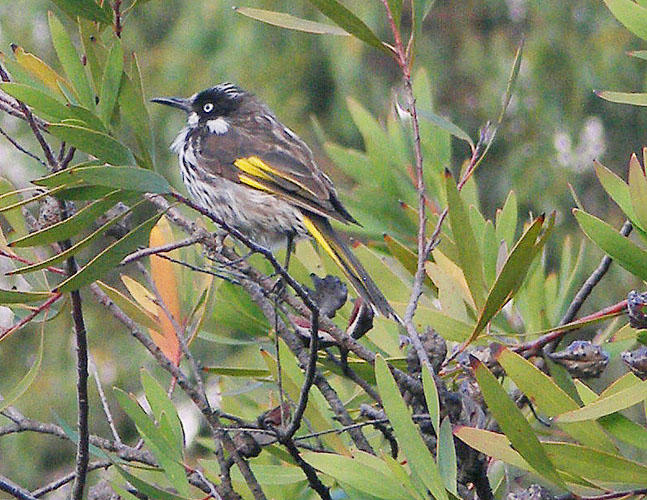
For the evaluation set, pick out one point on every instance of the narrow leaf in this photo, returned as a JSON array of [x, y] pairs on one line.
[[421, 461], [352, 472], [469, 255], [25, 383], [607, 405], [111, 81], [69, 227], [431, 397], [550, 399], [41, 102], [624, 251], [17, 297], [133, 310], [349, 22], [513, 424], [290, 22], [39, 69], [97, 144], [446, 125], [638, 190], [161, 405], [130, 178], [446, 453], [74, 249], [511, 276], [71, 62], [163, 274], [108, 258], [633, 98], [87, 9], [234, 371]]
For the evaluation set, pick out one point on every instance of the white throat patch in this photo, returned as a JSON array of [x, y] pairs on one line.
[[218, 126], [192, 119]]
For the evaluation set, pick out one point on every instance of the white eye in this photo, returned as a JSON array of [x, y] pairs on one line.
[[208, 107]]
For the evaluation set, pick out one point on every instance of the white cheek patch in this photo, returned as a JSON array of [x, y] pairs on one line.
[[192, 119], [218, 126]]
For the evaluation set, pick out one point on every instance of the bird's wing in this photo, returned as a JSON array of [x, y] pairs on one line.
[[284, 168]]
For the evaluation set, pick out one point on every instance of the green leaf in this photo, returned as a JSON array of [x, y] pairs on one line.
[[469, 255], [132, 309], [354, 473], [349, 22], [407, 258], [632, 15], [74, 249], [447, 327], [633, 98], [622, 250], [108, 258], [135, 112], [607, 405], [431, 397], [638, 190], [71, 62], [128, 178], [111, 82], [492, 444], [234, 371], [290, 22], [151, 491], [446, 453], [616, 188], [446, 125], [69, 227], [550, 399], [506, 220], [87, 9], [8, 197], [595, 465], [513, 424], [17, 297], [97, 144], [161, 405], [41, 102], [511, 276], [21, 387], [420, 459]]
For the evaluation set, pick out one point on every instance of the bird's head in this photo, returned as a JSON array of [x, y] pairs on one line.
[[212, 106]]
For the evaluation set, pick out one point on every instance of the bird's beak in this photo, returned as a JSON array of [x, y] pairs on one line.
[[174, 102]]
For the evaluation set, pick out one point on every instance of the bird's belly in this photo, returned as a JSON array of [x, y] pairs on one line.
[[266, 219]]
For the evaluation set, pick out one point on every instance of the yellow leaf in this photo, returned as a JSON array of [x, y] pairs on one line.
[[40, 70], [141, 294], [167, 286]]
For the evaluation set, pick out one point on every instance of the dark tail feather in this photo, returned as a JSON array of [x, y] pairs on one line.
[[325, 235]]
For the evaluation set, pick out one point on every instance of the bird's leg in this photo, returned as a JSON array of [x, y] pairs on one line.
[[279, 287]]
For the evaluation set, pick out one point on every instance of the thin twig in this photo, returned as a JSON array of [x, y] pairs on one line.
[[104, 400], [62, 481], [15, 144], [308, 381], [144, 252], [310, 472], [15, 490], [43, 307]]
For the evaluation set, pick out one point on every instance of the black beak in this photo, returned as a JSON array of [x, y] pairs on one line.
[[174, 102]]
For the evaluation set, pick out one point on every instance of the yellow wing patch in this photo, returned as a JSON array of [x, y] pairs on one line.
[[253, 165], [246, 179]]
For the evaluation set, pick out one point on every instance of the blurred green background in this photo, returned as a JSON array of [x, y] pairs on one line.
[[554, 128]]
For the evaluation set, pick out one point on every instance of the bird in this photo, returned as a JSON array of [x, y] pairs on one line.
[[240, 163]]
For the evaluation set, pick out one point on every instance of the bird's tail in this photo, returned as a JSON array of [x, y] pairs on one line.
[[325, 235]]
